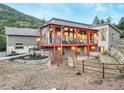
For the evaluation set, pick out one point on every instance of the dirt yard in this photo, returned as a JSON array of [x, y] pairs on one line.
[[20, 76]]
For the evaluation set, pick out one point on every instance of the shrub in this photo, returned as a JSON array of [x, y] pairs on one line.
[[13, 53], [2, 43], [37, 56]]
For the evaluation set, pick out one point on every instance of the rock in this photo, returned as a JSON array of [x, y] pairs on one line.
[[78, 73], [99, 82]]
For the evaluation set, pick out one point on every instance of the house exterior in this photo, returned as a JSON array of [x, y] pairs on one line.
[[68, 38], [20, 39], [63, 38]]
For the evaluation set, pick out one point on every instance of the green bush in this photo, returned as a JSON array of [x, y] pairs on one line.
[[35, 56], [2, 43], [13, 53]]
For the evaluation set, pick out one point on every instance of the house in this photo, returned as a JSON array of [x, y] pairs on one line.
[[63, 38], [20, 39], [68, 38]]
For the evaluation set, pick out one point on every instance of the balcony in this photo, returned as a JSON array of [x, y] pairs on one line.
[[68, 41]]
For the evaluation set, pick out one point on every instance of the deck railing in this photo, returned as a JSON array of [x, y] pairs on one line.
[[67, 41]]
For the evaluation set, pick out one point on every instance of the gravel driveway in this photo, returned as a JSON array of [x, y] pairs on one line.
[[2, 54], [15, 75]]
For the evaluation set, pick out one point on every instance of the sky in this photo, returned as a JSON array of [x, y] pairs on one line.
[[80, 12]]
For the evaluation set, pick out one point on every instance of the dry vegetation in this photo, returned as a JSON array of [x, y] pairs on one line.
[[15, 75]]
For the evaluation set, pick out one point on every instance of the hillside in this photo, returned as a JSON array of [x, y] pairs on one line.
[[13, 18]]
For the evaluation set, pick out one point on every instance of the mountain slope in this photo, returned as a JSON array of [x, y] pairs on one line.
[[14, 18]]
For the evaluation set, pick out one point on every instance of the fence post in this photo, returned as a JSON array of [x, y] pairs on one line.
[[103, 70], [83, 66]]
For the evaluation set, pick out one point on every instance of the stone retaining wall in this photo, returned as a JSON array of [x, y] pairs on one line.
[[34, 61]]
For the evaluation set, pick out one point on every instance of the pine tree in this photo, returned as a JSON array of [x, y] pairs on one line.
[[102, 21], [108, 20], [96, 21]]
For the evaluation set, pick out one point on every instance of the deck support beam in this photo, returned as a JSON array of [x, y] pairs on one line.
[[77, 30], [54, 53], [88, 42], [54, 41], [62, 29]]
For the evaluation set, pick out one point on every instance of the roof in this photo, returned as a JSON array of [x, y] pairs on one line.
[[67, 22], [106, 24], [21, 31]]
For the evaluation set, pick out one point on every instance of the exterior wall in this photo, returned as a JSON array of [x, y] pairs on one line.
[[114, 36], [71, 53], [101, 43], [110, 39], [28, 42]]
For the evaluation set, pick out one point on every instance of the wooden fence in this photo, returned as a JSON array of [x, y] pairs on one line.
[[103, 68]]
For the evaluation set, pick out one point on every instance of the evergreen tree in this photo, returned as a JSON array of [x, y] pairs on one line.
[[121, 23], [96, 20], [108, 20], [102, 21]]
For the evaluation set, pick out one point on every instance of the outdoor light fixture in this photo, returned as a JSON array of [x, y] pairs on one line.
[[93, 47], [50, 29], [58, 33], [59, 48], [73, 48], [71, 29], [66, 28], [38, 39]]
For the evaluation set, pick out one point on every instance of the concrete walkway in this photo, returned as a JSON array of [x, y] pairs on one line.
[[10, 57]]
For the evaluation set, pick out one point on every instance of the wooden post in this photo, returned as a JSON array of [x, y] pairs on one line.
[[88, 41], [54, 33], [83, 66], [103, 70], [77, 30], [61, 43], [54, 55]]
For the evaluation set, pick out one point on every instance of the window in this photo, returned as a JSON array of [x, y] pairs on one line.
[[19, 46], [103, 34]]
